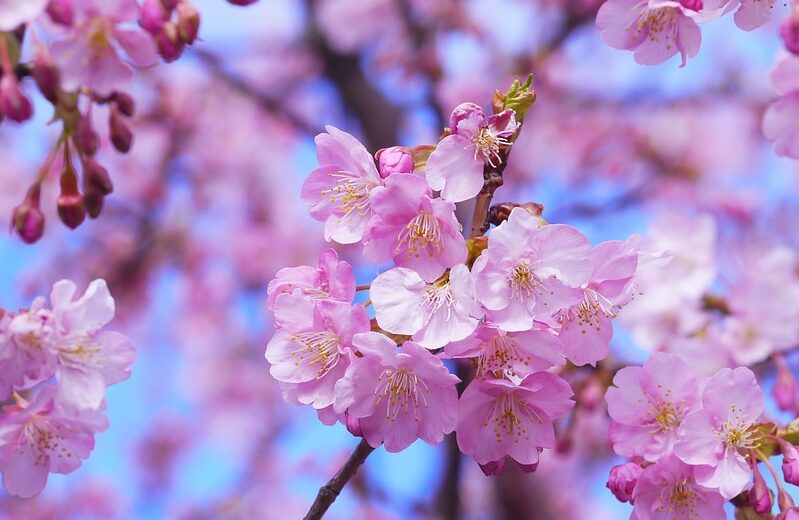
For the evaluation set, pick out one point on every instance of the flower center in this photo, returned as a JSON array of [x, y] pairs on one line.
[[44, 441], [680, 500], [738, 433], [350, 195], [319, 350], [652, 22], [665, 414], [588, 314], [99, 32], [437, 295], [500, 354], [523, 281], [507, 414], [488, 145], [403, 392], [422, 233]]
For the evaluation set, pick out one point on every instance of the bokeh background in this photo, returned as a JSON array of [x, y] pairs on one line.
[[206, 210]]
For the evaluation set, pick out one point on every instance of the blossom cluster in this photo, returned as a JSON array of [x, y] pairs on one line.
[[695, 441], [516, 305], [55, 365], [81, 54], [656, 30]]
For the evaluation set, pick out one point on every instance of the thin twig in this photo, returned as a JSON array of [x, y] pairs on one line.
[[328, 493]]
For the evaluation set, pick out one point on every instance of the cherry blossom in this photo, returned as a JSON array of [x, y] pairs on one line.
[[397, 396], [333, 280]]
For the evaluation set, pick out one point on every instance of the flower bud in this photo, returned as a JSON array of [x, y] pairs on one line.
[[121, 136], [96, 177], [353, 425], [241, 2], [70, 202], [93, 200], [622, 480], [61, 12], [694, 5], [13, 102], [188, 22], [784, 390], [789, 32], [592, 394], [125, 103], [396, 159], [760, 497], [169, 5], [152, 16], [46, 75], [27, 218], [170, 46], [790, 462], [86, 138]]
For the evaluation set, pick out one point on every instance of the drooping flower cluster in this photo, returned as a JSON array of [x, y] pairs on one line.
[[80, 54], [56, 363], [692, 439], [519, 304], [656, 30]]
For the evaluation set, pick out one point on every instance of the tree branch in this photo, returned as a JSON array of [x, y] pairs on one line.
[[328, 493]]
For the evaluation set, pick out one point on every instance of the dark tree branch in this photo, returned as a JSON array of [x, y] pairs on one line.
[[328, 493]]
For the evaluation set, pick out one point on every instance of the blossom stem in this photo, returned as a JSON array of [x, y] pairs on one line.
[[363, 287], [328, 493]]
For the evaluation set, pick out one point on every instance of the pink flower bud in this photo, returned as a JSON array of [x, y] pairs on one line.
[[353, 425], [13, 102], [46, 75], [125, 103], [396, 159], [71, 210], [188, 23], [592, 394], [153, 16], [789, 32], [694, 5], [86, 138], [170, 46], [242, 2], [790, 462], [61, 12], [760, 495], [784, 390], [623, 479], [121, 136], [93, 200], [96, 177], [27, 218]]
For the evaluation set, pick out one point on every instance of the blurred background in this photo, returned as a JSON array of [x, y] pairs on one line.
[[206, 209]]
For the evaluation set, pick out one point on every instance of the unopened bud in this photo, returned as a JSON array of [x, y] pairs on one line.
[[170, 46], [790, 461], [121, 136], [789, 32], [61, 12], [93, 201], [125, 103], [96, 177], [760, 497], [499, 213], [46, 75], [188, 22], [396, 159], [622, 480], [784, 389], [241, 2], [86, 138], [27, 218], [13, 102], [518, 98], [152, 16], [70, 202]]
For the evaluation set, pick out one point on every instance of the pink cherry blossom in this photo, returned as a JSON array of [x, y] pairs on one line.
[[718, 436], [17, 12], [667, 490], [338, 191], [655, 30], [414, 229], [434, 313], [622, 480], [498, 418], [398, 396], [529, 272], [778, 120], [586, 328], [312, 348], [455, 168], [89, 54], [752, 14], [514, 354], [26, 358], [44, 436], [648, 404], [333, 280]]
